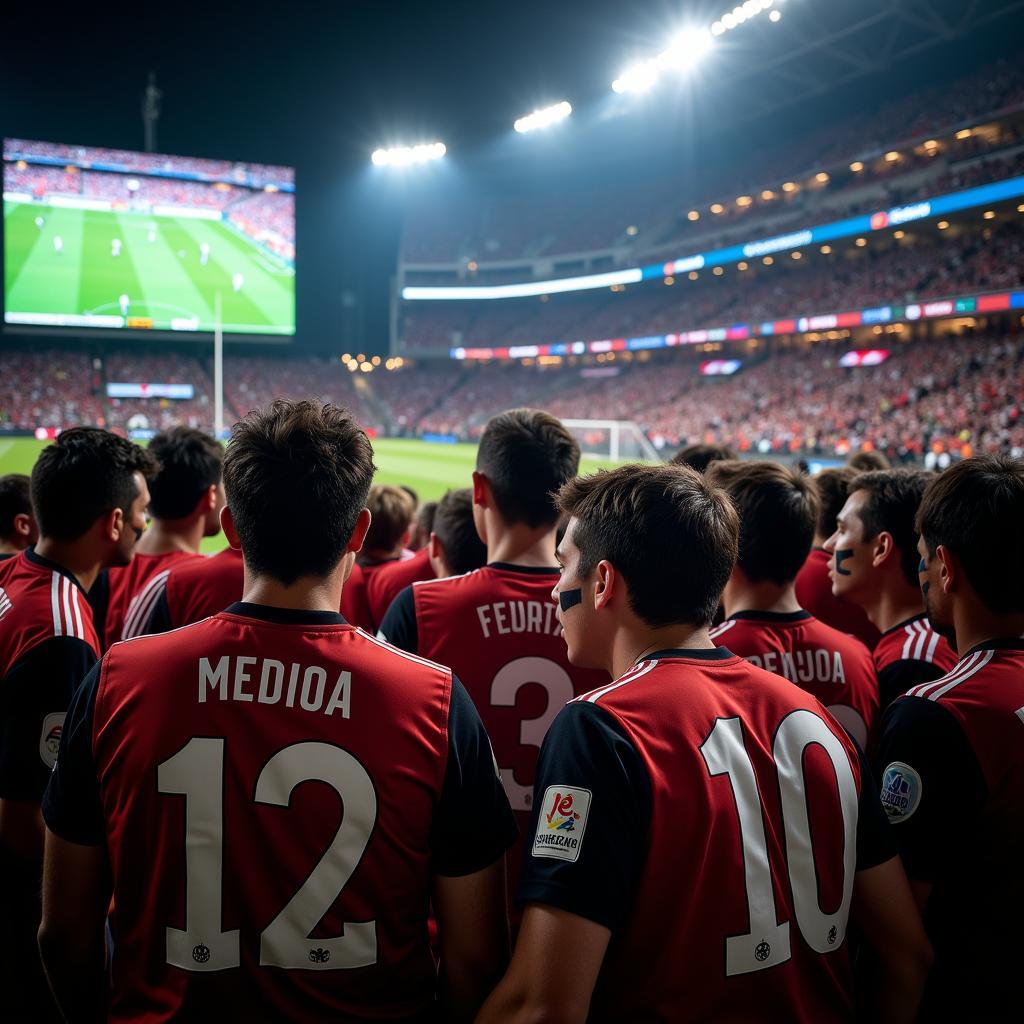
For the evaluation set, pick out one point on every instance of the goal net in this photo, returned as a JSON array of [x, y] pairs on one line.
[[613, 440]]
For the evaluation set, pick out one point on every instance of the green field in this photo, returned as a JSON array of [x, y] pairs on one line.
[[430, 469], [159, 268]]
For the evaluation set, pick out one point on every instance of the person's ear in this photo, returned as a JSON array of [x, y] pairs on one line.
[[882, 548], [949, 574], [482, 490], [113, 525], [355, 543], [227, 524], [23, 524], [605, 583], [435, 553]]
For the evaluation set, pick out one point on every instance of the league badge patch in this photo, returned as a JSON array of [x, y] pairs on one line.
[[562, 823], [901, 791]]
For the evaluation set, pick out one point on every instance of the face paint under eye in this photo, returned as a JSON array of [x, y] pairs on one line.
[[921, 567], [841, 555], [570, 598]]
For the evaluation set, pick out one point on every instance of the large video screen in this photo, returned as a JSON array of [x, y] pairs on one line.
[[114, 239]]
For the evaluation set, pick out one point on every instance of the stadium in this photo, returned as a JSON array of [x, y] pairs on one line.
[[677, 259]]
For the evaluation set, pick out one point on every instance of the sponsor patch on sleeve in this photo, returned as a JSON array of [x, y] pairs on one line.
[[562, 823], [901, 791], [49, 738]]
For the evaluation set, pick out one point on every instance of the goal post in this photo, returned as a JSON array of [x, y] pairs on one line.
[[613, 440]]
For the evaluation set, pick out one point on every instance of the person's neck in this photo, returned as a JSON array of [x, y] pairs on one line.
[[308, 593], [976, 625], [892, 604], [167, 535], [371, 556], [8, 547], [520, 545], [633, 644], [72, 556], [745, 596]]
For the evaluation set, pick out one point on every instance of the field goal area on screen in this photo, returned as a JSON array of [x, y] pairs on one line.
[[612, 440]]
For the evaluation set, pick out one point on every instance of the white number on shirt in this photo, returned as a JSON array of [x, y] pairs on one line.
[[767, 943], [197, 772], [506, 685]]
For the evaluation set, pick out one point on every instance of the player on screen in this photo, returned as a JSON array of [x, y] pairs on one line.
[[115, 247], [953, 749], [89, 492], [874, 556], [124, 301], [204, 253], [186, 497], [813, 582], [764, 621], [496, 627], [58, 243], [326, 786], [18, 529], [40, 223], [237, 280], [670, 871]]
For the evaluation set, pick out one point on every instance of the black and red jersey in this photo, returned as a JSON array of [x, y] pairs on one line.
[[833, 666], [674, 807], [908, 654], [814, 592], [354, 604], [128, 602], [385, 583], [953, 786], [47, 646], [275, 790], [190, 590]]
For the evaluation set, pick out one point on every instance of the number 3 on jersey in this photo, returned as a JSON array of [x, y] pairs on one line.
[[504, 689]]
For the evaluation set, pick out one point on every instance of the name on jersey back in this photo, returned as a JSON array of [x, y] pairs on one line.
[[807, 666], [248, 679], [506, 617]]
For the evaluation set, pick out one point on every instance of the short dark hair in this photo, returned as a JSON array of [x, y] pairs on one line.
[[975, 509], [296, 476], [867, 460], [15, 500], [425, 516], [190, 463], [700, 456], [672, 535], [412, 494], [894, 496], [778, 508], [455, 529], [392, 511], [526, 456], [832, 485], [84, 474]]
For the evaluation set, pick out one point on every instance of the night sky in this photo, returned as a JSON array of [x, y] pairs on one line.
[[318, 86]]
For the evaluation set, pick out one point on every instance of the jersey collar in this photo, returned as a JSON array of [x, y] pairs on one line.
[[798, 616], [285, 616], [46, 563], [904, 623], [532, 570], [1002, 643], [695, 653]]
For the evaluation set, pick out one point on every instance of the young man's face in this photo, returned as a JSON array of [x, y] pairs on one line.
[[575, 600], [850, 569], [936, 602], [134, 523]]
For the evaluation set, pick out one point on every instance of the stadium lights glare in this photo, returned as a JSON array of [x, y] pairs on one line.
[[744, 12], [405, 156], [685, 51], [543, 118]]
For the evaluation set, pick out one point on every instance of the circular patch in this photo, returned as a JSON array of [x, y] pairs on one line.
[[901, 791]]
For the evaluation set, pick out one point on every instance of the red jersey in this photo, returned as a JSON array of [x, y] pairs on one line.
[[127, 610], [354, 605], [191, 590], [674, 807], [833, 666], [387, 582], [814, 592], [908, 654], [307, 781]]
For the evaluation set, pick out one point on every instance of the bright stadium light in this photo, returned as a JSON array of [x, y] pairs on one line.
[[543, 118], [405, 156], [685, 51]]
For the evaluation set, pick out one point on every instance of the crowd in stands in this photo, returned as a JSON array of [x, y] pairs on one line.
[[157, 413], [49, 389], [269, 217]]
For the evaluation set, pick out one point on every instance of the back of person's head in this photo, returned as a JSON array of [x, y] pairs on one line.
[[778, 509], [700, 456], [526, 456], [15, 500], [297, 475], [456, 532], [975, 510], [392, 511], [868, 461], [190, 464], [85, 474], [671, 535], [422, 525], [413, 494], [891, 500], [833, 489]]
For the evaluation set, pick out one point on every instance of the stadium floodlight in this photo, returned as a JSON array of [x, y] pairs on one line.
[[685, 51], [405, 156], [543, 118]]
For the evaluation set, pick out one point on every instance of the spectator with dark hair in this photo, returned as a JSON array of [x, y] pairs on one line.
[[422, 526], [954, 778], [813, 582], [287, 693], [867, 460], [185, 499], [89, 494], [764, 621], [18, 528], [648, 897], [700, 456], [455, 546], [874, 565]]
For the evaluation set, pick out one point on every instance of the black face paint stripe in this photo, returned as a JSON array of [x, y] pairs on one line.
[[841, 555], [570, 598], [921, 566]]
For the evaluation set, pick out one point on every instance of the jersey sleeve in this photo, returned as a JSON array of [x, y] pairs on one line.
[[899, 676], [159, 620], [71, 804], [875, 841], [932, 787], [473, 823], [38, 689], [399, 624], [586, 844]]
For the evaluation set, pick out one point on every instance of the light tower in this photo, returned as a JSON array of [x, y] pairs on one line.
[[151, 111]]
